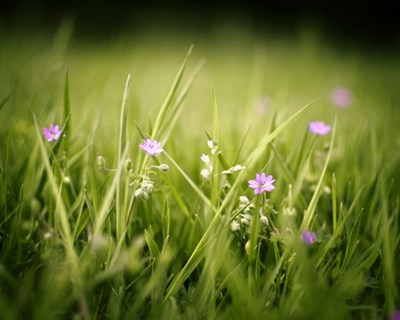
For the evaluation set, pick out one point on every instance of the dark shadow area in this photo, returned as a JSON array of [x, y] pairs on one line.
[[371, 24]]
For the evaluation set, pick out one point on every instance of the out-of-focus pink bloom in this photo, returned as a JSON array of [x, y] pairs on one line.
[[319, 128], [54, 133], [308, 237], [341, 97]]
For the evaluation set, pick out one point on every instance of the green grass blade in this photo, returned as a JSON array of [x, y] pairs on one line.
[[67, 113], [5, 99], [168, 101], [190, 181], [108, 198], [151, 243], [309, 214], [353, 240], [121, 193], [215, 160]]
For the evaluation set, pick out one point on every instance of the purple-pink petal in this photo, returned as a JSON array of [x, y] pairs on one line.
[[308, 237], [319, 128], [151, 147], [53, 133], [262, 183], [253, 184], [341, 97]]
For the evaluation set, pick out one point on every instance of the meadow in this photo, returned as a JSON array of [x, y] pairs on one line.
[[152, 199]]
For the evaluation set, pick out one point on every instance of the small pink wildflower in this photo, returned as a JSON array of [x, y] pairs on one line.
[[319, 128], [341, 97], [262, 183], [308, 237], [54, 133], [151, 147]]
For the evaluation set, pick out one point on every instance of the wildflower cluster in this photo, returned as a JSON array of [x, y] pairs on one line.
[[145, 189], [208, 169], [243, 216], [141, 181]]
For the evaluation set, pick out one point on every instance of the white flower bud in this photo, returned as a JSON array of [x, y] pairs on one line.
[[244, 200], [205, 174], [235, 226], [264, 220], [163, 167], [246, 219], [247, 247], [205, 158], [213, 147], [138, 192]]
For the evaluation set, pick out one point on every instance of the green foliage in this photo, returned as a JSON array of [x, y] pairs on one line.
[[92, 227]]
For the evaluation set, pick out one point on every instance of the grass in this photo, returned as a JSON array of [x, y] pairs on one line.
[[78, 240]]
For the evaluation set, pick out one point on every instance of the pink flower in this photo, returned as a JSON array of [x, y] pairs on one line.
[[341, 97], [54, 133], [151, 147], [319, 128], [308, 237], [262, 183]]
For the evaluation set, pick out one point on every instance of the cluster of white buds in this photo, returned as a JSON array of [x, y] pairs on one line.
[[235, 226], [246, 209], [206, 172], [213, 147], [245, 205], [146, 188], [245, 219]]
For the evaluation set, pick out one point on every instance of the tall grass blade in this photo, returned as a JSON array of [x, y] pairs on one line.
[[67, 113], [121, 194], [168, 101], [309, 214]]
